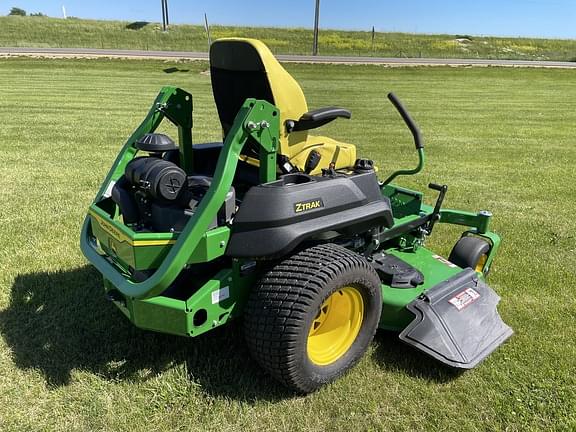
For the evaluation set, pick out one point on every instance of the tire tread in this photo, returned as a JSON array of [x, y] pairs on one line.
[[277, 307]]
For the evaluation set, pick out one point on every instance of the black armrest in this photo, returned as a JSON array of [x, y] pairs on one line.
[[316, 118]]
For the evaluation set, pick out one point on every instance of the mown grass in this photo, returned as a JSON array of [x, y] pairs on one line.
[[53, 32], [502, 139]]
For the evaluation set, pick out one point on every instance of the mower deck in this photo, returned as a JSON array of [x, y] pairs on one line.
[[218, 296]]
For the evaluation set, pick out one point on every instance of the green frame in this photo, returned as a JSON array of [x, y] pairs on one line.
[[258, 120], [119, 252]]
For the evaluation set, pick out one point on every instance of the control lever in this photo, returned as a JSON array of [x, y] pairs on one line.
[[312, 161], [435, 216], [418, 142]]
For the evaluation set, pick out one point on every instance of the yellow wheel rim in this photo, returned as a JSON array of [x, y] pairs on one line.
[[480, 264], [336, 326]]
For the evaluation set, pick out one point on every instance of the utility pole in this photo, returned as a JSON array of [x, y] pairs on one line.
[[166, 8], [207, 27], [165, 22], [163, 15], [316, 19]]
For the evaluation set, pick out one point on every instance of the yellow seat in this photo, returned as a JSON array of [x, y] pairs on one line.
[[245, 68]]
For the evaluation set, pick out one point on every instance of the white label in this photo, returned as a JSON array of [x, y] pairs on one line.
[[108, 191], [444, 260], [464, 298], [220, 295]]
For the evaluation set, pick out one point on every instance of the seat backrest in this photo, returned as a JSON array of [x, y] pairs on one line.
[[245, 68]]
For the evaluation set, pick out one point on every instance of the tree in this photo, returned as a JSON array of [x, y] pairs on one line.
[[39, 14], [17, 11]]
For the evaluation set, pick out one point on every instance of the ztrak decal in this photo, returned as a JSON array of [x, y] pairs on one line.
[[308, 205]]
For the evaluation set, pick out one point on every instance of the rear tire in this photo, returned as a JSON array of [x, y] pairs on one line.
[[312, 317], [470, 252]]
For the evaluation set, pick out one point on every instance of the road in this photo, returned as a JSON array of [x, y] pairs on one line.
[[92, 52]]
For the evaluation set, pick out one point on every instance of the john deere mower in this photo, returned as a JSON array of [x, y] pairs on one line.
[[292, 232]]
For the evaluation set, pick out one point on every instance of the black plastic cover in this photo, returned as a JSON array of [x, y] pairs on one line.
[[169, 218], [363, 166], [395, 272], [156, 143], [319, 117], [166, 217], [457, 322], [276, 217], [160, 178], [122, 196]]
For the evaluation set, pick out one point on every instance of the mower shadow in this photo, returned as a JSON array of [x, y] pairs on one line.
[[395, 356], [60, 322]]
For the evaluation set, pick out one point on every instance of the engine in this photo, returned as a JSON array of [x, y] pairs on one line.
[[156, 195]]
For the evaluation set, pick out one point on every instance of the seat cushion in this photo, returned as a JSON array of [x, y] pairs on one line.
[[342, 154]]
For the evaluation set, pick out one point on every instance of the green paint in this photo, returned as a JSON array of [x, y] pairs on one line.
[[248, 122], [220, 298], [435, 270]]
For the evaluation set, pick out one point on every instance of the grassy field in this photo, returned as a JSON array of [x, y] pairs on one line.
[[53, 32], [502, 139]]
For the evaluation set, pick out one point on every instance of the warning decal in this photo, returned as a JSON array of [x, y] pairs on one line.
[[464, 298]]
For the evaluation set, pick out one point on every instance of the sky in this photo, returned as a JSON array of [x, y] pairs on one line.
[[537, 18]]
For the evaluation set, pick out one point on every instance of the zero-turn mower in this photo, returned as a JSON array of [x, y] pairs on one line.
[[290, 231]]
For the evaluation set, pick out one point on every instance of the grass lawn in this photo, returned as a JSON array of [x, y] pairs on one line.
[[55, 32], [503, 139]]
